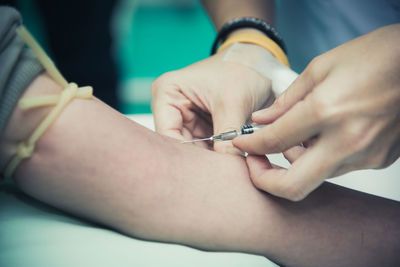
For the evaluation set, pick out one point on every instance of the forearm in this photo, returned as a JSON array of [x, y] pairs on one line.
[[222, 11], [96, 164]]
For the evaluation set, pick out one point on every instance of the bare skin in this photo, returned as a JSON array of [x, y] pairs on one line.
[[96, 164], [222, 11]]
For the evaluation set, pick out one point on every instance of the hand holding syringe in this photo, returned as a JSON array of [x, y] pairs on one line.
[[225, 136], [265, 64]]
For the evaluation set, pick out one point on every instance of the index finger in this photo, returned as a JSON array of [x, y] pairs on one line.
[[168, 118], [294, 127], [168, 121], [303, 85]]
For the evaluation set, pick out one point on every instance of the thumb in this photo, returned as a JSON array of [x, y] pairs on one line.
[[228, 119]]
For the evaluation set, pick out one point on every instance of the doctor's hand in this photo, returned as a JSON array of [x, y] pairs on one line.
[[341, 114], [208, 97]]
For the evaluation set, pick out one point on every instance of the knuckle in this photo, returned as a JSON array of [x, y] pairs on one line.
[[380, 160], [319, 108], [359, 138], [354, 148], [155, 86], [293, 192], [258, 182], [322, 104], [280, 101], [386, 163], [314, 68], [162, 81], [323, 108], [389, 154], [377, 161]]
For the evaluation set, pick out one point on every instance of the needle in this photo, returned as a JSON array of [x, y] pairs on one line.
[[197, 140]]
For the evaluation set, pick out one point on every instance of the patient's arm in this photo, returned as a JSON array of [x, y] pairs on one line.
[[95, 163]]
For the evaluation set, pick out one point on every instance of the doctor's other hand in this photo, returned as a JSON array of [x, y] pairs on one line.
[[208, 97], [345, 110]]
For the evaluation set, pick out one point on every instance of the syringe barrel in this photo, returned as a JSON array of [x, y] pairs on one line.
[[249, 129], [246, 129], [226, 135]]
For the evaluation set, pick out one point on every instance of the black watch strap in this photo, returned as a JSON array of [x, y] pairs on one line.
[[247, 22]]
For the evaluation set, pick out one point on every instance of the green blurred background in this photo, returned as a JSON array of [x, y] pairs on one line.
[[151, 37]]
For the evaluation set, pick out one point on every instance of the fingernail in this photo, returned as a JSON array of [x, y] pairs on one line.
[[238, 141], [256, 113]]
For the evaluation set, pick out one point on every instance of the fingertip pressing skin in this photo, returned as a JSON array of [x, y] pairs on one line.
[[257, 164], [264, 175], [308, 171], [300, 179], [227, 148]]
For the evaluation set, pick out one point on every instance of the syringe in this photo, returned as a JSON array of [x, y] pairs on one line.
[[246, 129]]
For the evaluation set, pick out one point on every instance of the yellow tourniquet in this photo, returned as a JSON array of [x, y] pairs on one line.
[[71, 90]]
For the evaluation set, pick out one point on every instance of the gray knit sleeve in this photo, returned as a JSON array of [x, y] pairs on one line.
[[18, 66]]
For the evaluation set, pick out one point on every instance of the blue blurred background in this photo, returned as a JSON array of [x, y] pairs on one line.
[[149, 38]]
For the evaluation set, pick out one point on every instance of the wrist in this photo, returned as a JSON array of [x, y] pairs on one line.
[[252, 31], [22, 122], [258, 40], [238, 33]]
